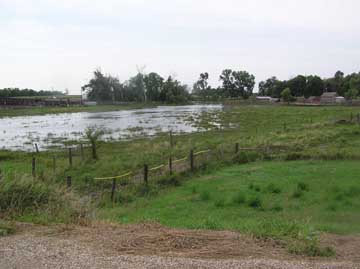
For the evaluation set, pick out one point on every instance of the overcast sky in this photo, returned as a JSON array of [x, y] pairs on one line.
[[58, 43]]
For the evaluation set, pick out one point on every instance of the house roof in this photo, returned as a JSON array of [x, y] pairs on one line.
[[329, 94]]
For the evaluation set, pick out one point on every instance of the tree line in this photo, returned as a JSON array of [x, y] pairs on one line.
[[241, 84], [347, 86], [16, 92], [154, 88], [140, 88]]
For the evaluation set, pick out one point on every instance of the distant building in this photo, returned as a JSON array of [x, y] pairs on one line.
[[328, 98], [340, 100]]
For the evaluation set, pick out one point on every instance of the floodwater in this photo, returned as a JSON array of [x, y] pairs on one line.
[[47, 131]]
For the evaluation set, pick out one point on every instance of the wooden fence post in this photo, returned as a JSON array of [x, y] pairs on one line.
[[170, 165], [68, 181], [70, 157], [33, 166], [37, 148], [146, 173], [192, 167], [171, 140], [236, 148], [113, 188], [82, 151]]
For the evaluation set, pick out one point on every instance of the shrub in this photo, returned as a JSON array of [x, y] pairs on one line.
[[303, 186], [311, 248], [255, 202], [297, 193], [19, 196], [272, 188], [6, 229], [277, 208]]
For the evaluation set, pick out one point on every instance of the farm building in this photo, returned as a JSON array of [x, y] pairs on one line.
[[328, 98]]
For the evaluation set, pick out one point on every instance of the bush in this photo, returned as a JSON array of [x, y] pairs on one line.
[[255, 202], [272, 188], [6, 229], [311, 248], [298, 193], [20, 196], [303, 186]]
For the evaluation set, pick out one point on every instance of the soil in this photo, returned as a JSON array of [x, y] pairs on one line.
[[104, 245]]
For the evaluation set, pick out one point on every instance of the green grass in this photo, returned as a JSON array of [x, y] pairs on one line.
[[259, 199], [329, 203]]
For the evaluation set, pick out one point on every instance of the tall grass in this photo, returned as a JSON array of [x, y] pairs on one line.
[[24, 197]]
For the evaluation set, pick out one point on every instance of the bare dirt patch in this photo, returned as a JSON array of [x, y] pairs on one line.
[[154, 246]]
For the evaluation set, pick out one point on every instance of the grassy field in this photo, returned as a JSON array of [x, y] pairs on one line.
[[304, 183], [319, 195], [288, 201]]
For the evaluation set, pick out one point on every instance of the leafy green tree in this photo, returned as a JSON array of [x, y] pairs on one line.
[[271, 87], [100, 87], [244, 83], [227, 82], [174, 92], [237, 83], [314, 86], [297, 85], [153, 85], [93, 134], [286, 95], [352, 94]]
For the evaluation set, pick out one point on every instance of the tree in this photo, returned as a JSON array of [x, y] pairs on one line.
[[351, 94], [237, 83], [173, 92], [286, 95], [100, 87], [271, 87], [227, 82], [153, 85], [93, 134], [314, 86], [297, 85], [244, 83]]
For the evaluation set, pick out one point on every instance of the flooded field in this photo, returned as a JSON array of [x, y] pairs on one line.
[[20, 133]]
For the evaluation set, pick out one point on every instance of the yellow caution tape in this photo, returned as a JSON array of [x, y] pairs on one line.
[[116, 177]]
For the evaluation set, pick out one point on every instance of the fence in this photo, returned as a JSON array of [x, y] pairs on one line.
[[190, 163]]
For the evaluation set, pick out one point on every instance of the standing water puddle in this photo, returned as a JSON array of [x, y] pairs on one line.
[[20, 133]]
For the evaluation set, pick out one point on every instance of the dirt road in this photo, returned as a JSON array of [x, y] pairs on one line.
[[154, 246]]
